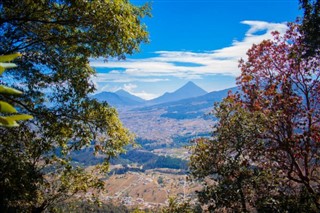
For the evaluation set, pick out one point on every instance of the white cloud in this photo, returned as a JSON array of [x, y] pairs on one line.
[[221, 61], [106, 87], [129, 87], [124, 78], [256, 26], [177, 63], [145, 95]]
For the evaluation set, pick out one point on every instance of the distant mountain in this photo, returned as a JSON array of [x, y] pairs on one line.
[[120, 98], [188, 99], [192, 107], [189, 90], [172, 124], [125, 94]]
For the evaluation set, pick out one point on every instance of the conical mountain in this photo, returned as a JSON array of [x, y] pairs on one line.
[[110, 97], [189, 90], [125, 94]]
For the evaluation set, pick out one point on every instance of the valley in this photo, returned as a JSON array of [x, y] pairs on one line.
[[148, 190], [154, 130], [147, 176]]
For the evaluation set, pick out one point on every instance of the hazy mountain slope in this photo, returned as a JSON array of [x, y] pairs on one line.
[[125, 94], [189, 90], [115, 100], [191, 107]]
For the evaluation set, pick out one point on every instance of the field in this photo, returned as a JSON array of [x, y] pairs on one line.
[[149, 189]]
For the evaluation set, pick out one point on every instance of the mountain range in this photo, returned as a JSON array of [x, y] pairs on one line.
[[188, 102], [119, 98], [122, 98], [172, 123], [190, 108], [189, 90], [166, 123]]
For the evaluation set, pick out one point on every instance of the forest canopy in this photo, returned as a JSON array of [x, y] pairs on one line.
[[55, 40]]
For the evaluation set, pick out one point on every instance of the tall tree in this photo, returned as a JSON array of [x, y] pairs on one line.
[[56, 38], [268, 135], [229, 164], [311, 25], [277, 80]]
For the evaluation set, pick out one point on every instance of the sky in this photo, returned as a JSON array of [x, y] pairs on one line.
[[194, 40]]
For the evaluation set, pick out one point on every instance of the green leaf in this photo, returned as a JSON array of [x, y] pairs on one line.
[[4, 66], [8, 90], [20, 117], [11, 121], [7, 108], [8, 65], [5, 121], [6, 58]]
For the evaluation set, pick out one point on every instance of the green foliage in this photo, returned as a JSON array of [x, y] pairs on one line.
[[9, 121], [311, 26], [160, 180], [56, 39], [174, 206], [168, 162], [227, 164], [138, 211], [84, 207], [152, 161]]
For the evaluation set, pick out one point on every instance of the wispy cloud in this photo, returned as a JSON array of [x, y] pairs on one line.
[[186, 64], [131, 89], [123, 77], [145, 95], [221, 61]]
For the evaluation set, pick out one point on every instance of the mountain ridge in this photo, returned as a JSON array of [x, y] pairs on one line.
[[190, 108], [186, 94], [115, 99], [126, 94], [188, 90]]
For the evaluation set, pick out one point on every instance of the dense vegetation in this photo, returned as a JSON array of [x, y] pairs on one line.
[[84, 207], [264, 154], [55, 40], [148, 160], [311, 26]]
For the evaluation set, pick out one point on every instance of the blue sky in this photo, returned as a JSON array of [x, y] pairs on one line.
[[199, 41]]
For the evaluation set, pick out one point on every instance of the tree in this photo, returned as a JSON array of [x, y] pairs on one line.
[[277, 80], [228, 163], [176, 206], [56, 40], [311, 25], [264, 154]]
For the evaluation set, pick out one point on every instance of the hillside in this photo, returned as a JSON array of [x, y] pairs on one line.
[[124, 94], [118, 99], [172, 124], [196, 107], [148, 175], [189, 90]]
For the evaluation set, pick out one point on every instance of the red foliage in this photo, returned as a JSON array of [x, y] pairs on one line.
[[277, 80]]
